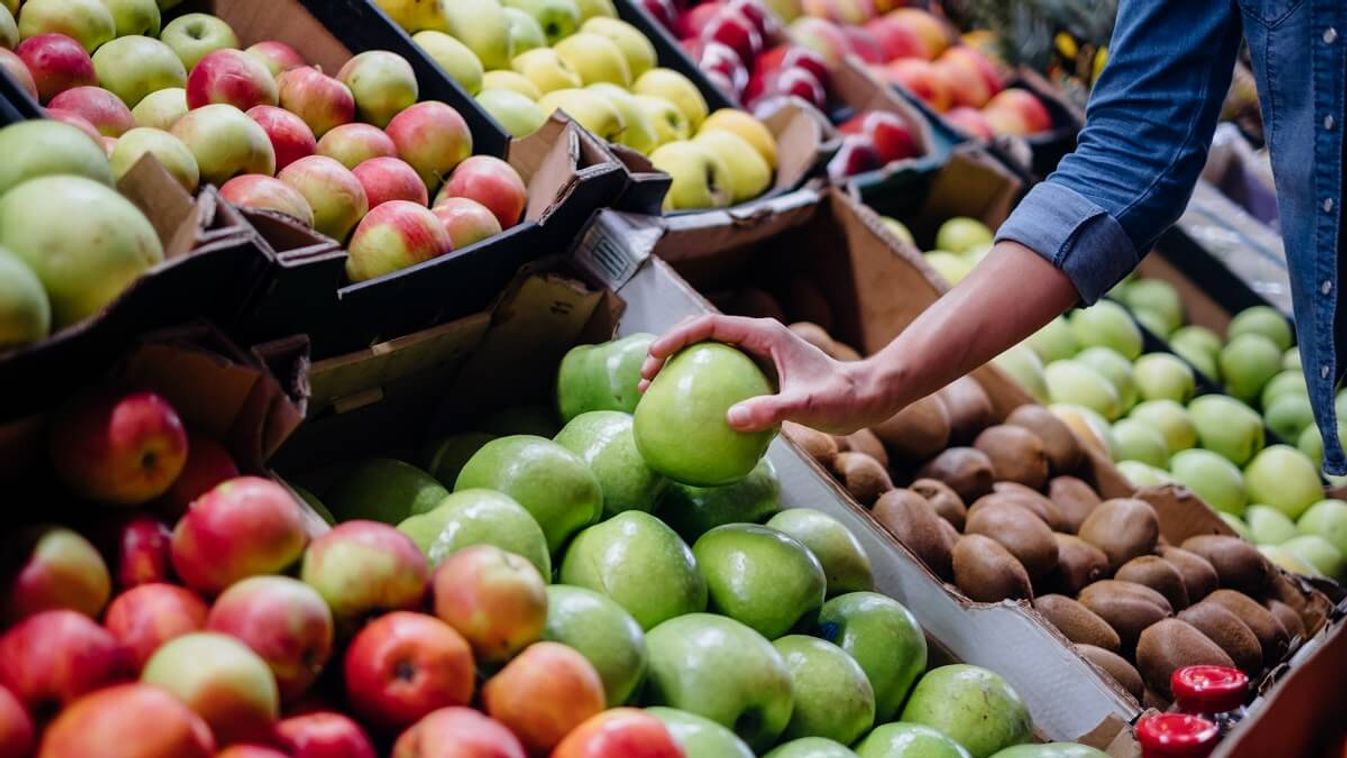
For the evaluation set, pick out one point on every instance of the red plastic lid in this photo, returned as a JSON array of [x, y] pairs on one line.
[[1209, 689], [1176, 734]]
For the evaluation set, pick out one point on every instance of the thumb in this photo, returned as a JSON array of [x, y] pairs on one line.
[[757, 413]]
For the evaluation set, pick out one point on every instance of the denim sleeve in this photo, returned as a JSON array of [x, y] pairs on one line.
[[1147, 130]]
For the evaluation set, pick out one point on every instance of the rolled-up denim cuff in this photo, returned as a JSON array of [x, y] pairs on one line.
[[1075, 235]]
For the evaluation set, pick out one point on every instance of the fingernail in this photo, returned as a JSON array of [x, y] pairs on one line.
[[737, 415]]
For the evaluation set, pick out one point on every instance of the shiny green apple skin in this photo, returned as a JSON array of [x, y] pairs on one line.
[[693, 511], [603, 439], [761, 577], [604, 633], [885, 640], [602, 377], [478, 517]]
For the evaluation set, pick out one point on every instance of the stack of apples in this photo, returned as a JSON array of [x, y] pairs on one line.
[[355, 155], [524, 59]]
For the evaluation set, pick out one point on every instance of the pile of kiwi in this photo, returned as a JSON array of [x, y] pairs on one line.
[[1000, 511]]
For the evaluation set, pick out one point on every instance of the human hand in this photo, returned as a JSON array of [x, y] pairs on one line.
[[813, 389]]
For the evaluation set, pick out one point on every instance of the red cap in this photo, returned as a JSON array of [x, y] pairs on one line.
[[1209, 689], [1166, 735]]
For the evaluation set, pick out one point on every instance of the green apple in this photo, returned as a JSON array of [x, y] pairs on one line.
[[25, 311], [558, 18], [1327, 519], [638, 51], [1087, 424], [1196, 340], [972, 706], [454, 57], [134, 67], [1287, 560], [700, 179], [811, 747], [677, 89], [9, 29], [517, 114], [134, 17], [316, 504], [546, 70], [845, 564], [383, 85], [1288, 382], [444, 458], [525, 32], [1161, 376], [1152, 322], [481, 25], [692, 511], [1075, 383], [833, 697], [1158, 298], [1108, 324], [604, 633], [1264, 321], [85, 259], [951, 267], [1211, 477], [552, 483], [884, 639], [1284, 478], [1227, 426], [590, 109], [512, 81], [761, 577], [538, 420], [478, 517], [1247, 363], [637, 131], [1269, 526], [669, 122], [1171, 420], [1055, 341], [162, 109], [1143, 474], [595, 58], [167, 149], [596, 8], [962, 234], [749, 174], [604, 441], [383, 489], [1024, 366], [88, 22], [700, 737], [225, 142], [1291, 359], [1289, 416], [1135, 441], [1236, 525], [1116, 369], [602, 377], [1051, 750], [42, 147], [193, 35], [718, 668], [1319, 553], [901, 740], [640, 563]]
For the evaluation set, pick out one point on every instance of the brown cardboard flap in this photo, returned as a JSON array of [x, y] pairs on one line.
[[801, 142], [547, 161], [971, 184], [701, 246], [285, 235], [177, 218]]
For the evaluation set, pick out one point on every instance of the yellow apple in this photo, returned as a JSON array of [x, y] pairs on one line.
[[669, 122], [700, 179], [546, 70], [743, 124], [525, 33], [749, 174], [595, 58], [481, 25], [590, 109], [456, 58], [511, 80], [595, 9], [519, 115], [677, 89], [637, 131], [413, 15], [638, 50]]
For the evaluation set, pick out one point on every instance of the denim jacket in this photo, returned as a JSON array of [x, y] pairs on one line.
[[1149, 125]]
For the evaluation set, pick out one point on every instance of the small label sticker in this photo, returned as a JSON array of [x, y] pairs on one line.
[[615, 245]]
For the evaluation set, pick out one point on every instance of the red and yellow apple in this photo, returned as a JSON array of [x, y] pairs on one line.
[[393, 236], [365, 567], [145, 617], [620, 733], [269, 193], [322, 101], [332, 192], [283, 620], [141, 552], [494, 598], [57, 63], [104, 110], [467, 221], [12, 64], [226, 143], [403, 665], [491, 182], [54, 568], [353, 144], [233, 77], [934, 33], [433, 138], [382, 83], [50, 659], [544, 693], [221, 680], [387, 178], [1014, 106], [208, 464], [277, 56], [457, 733], [140, 720], [323, 734], [122, 449], [291, 138]]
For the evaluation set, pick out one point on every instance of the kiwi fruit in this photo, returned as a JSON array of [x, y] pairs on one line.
[[814, 335], [1033, 500], [987, 572], [1312, 614], [1123, 528], [1199, 577], [966, 470], [1170, 644], [1016, 454], [817, 445], [1290, 620], [862, 476], [907, 516], [1079, 564], [1272, 636], [1158, 574], [917, 432], [1019, 531], [950, 534], [969, 408], [1239, 565], [1059, 443], [943, 499], [1117, 667], [1076, 622], [1128, 608], [1225, 629], [1074, 499], [865, 441]]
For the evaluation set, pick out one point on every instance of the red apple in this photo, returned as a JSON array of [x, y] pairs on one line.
[[888, 132], [843, 12], [250, 751], [283, 620], [321, 100], [964, 84], [53, 568], [232, 77], [142, 552], [971, 122], [104, 110], [494, 598], [856, 156], [57, 63], [394, 236], [77, 121], [691, 22], [491, 182], [620, 733], [799, 82], [365, 567], [278, 57], [433, 138], [404, 665], [734, 30], [290, 137], [222, 680], [386, 178], [973, 59], [715, 57], [49, 659], [544, 693], [323, 735], [922, 80], [17, 732], [145, 617], [864, 45], [467, 221], [267, 192], [897, 40], [208, 462], [764, 20], [12, 64], [821, 36], [791, 55], [124, 449], [128, 721], [243, 527], [353, 144], [1025, 105], [332, 192], [934, 33], [457, 733]]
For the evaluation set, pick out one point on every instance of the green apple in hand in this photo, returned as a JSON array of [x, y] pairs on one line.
[[842, 556], [761, 577], [603, 440], [716, 667], [700, 737], [884, 639], [603, 632], [693, 511], [833, 697], [478, 517]]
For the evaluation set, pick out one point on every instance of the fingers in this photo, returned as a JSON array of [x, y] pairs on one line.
[[754, 335], [758, 413]]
